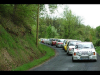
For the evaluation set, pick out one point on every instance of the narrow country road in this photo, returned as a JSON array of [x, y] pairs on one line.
[[63, 62]]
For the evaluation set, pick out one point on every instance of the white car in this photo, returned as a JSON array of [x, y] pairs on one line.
[[71, 46], [50, 41], [59, 43], [84, 51], [46, 41]]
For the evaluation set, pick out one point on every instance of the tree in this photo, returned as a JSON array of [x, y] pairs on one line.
[[98, 31], [37, 26]]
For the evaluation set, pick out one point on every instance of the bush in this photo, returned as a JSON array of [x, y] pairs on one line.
[[98, 42], [87, 39]]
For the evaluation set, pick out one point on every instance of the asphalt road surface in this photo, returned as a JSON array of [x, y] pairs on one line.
[[63, 62]]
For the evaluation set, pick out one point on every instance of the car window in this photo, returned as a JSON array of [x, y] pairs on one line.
[[60, 40], [84, 46], [73, 43]]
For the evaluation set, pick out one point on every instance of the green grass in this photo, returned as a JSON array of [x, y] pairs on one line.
[[98, 49], [21, 51], [49, 53]]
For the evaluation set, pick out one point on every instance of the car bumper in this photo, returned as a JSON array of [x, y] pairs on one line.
[[70, 52], [59, 45], [92, 57], [54, 44]]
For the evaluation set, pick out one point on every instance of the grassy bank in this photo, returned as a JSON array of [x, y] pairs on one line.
[[49, 53], [18, 37], [98, 49], [20, 52]]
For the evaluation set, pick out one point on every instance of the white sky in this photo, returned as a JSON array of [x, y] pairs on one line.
[[90, 13]]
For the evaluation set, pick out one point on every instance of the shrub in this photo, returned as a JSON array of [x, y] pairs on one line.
[[87, 39], [98, 42]]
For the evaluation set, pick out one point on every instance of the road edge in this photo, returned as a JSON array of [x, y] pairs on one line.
[[56, 53]]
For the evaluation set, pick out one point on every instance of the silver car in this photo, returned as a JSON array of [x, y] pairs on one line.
[[71, 46], [59, 43], [84, 51], [49, 41]]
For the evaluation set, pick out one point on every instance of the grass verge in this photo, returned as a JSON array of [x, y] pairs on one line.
[[49, 53], [98, 49]]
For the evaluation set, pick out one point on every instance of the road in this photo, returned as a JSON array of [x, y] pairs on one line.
[[63, 62]]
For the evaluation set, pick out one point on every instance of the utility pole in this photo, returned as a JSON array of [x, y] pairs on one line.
[[37, 26]]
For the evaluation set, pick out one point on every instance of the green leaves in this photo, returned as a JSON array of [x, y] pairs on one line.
[[51, 32]]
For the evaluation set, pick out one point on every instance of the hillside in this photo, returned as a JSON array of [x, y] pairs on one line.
[[17, 37]]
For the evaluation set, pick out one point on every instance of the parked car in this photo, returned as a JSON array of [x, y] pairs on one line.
[[46, 41], [50, 40], [71, 46], [42, 41], [65, 44], [84, 51], [54, 42], [59, 43]]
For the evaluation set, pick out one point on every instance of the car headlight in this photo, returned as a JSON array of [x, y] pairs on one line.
[[94, 53]]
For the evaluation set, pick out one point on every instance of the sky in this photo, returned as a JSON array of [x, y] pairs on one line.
[[90, 13]]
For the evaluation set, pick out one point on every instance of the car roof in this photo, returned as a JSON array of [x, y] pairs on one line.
[[83, 42], [69, 39], [74, 40], [61, 39]]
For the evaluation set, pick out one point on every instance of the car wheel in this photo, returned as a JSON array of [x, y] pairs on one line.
[[95, 60], [73, 60], [67, 53], [56, 45], [63, 48]]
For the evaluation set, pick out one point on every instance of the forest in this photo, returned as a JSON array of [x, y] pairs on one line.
[[18, 32], [69, 26]]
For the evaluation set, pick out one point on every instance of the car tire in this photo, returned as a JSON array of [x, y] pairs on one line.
[[95, 60], [67, 53], [73, 60], [56, 45], [65, 50]]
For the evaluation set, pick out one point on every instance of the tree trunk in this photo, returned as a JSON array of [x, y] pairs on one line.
[[37, 26]]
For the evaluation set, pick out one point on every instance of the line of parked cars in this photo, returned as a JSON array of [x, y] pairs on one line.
[[78, 49]]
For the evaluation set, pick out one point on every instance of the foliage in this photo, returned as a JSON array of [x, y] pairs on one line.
[[87, 39], [49, 53], [98, 31], [98, 42]]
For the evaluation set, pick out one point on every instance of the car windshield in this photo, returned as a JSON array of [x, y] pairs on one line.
[[60, 40], [73, 43], [54, 39], [85, 45]]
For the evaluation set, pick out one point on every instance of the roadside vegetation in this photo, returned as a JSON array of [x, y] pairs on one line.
[[18, 23], [98, 49], [18, 37], [49, 52]]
